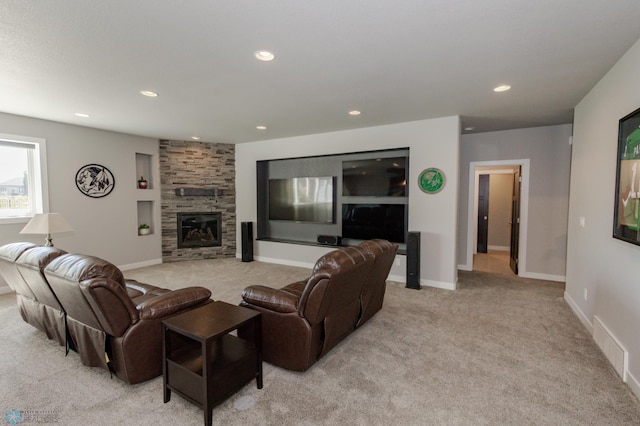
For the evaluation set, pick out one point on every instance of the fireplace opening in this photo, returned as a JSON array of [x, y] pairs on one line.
[[199, 229]]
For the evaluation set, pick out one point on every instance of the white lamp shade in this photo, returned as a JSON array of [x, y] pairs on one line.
[[46, 223]]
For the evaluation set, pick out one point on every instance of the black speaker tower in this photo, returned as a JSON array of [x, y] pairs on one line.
[[413, 260], [247, 241]]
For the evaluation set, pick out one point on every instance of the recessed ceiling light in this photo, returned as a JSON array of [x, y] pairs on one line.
[[261, 127], [264, 55], [502, 88], [354, 112], [195, 138], [82, 114], [468, 129], [149, 93]]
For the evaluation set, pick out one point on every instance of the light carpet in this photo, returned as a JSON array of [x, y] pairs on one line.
[[498, 351]]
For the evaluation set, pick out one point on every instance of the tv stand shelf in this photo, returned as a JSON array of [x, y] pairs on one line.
[[303, 243], [401, 250]]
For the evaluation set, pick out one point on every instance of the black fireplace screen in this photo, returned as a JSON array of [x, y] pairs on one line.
[[199, 229]]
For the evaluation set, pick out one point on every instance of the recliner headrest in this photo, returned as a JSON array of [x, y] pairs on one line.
[[39, 257], [80, 267], [12, 251], [336, 259]]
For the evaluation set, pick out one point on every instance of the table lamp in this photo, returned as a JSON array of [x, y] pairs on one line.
[[47, 223]]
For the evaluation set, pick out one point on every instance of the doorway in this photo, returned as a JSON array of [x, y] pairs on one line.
[[496, 230]]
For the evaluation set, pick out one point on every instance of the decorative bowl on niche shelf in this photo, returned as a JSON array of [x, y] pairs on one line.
[[144, 229]]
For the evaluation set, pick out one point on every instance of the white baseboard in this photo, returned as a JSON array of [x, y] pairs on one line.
[[525, 274], [397, 278], [424, 283], [633, 383], [499, 248], [546, 277], [140, 264], [5, 290], [283, 262], [631, 380], [581, 316], [438, 284]]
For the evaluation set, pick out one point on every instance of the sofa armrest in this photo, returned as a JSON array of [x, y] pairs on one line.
[[138, 286], [172, 302], [137, 289], [271, 298]]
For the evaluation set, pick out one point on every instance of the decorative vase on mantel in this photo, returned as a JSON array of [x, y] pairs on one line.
[[142, 183]]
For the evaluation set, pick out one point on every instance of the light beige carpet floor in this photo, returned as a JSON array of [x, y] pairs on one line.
[[499, 351]]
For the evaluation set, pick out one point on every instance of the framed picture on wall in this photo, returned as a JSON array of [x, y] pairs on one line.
[[626, 219]]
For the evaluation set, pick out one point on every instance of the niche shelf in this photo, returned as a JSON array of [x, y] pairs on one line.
[[145, 214], [143, 169]]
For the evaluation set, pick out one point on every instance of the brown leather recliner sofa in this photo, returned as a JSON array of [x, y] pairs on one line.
[[50, 313], [116, 324], [22, 266], [111, 322], [304, 320]]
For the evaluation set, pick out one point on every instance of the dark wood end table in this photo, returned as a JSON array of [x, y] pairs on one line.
[[203, 362]]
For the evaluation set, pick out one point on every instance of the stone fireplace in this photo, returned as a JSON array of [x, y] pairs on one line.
[[199, 229], [198, 200]]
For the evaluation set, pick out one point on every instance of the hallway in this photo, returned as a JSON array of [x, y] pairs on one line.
[[494, 261]]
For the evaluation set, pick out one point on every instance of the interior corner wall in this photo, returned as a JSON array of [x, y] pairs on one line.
[[104, 227], [602, 272], [432, 143], [549, 152]]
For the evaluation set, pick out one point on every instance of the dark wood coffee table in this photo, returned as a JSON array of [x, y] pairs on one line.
[[203, 362]]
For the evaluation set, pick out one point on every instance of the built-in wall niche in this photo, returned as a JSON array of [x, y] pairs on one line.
[[145, 217], [368, 199], [144, 178], [375, 177]]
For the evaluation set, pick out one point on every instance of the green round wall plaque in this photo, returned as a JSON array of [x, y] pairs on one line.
[[431, 180]]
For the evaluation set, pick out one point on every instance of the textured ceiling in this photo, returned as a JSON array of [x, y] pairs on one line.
[[395, 61]]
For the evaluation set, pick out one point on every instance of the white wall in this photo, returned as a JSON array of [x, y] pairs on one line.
[[432, 143], [104, 227], [549, 155], [603, 266]]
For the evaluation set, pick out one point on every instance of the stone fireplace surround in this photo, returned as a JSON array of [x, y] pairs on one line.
[[190, 164]]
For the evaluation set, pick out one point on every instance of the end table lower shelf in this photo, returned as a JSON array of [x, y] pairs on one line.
[[205, 364]]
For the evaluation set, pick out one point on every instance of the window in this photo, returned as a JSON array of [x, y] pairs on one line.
[[23, 183]]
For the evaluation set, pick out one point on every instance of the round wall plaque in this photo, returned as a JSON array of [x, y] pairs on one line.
[[431, 180], [95, 181]]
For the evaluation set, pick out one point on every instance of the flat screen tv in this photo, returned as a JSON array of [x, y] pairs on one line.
[[377, 177], [370, 221], [302, 199]]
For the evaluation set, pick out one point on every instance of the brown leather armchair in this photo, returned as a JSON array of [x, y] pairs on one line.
[[304, 320], [114, 323]]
